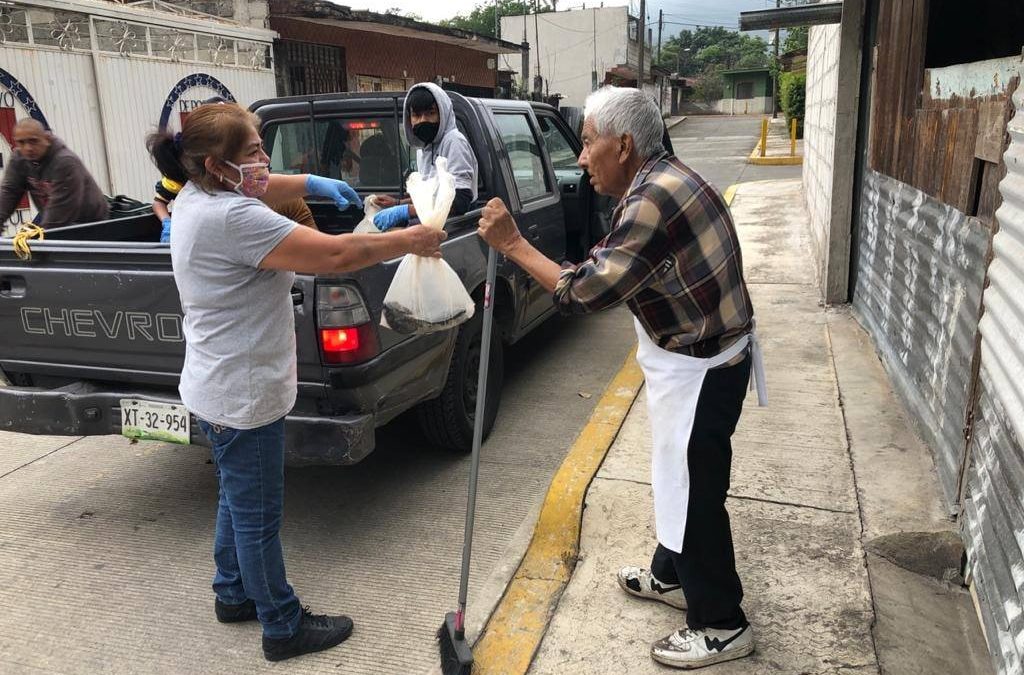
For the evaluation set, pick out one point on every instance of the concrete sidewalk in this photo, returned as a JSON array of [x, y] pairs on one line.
[[820, 477], [779, 151]]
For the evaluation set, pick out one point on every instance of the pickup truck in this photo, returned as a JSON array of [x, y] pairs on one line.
[[92, 324]]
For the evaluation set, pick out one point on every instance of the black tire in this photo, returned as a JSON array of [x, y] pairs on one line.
[[447, 421]]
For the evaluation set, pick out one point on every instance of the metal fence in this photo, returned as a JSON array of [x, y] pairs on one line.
[[994, 522], [918, 290]]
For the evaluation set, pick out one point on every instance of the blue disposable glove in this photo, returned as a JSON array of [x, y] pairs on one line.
[[388, 218], [338, 190], [165, 235]]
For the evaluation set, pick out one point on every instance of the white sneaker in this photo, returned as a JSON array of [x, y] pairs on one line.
[[698, 648], [641, 583]]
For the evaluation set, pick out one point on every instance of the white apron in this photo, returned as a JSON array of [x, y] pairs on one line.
[[673, 383]]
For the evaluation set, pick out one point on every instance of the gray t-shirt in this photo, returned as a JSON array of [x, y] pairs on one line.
[[240, 367]]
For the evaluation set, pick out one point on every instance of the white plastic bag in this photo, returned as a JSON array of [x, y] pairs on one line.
[[426, 294], [370, 209]]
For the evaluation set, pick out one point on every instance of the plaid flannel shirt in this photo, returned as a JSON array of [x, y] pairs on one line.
[[673, 257]]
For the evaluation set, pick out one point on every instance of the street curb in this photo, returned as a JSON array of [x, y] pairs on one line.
[[514, 632], [757, 159], [676, 123], [730, 193]]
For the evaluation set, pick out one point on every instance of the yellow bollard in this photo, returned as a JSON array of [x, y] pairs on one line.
[[792, 139], [764, 137]]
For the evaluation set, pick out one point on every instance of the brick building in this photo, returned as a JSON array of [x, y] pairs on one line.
[[325, 47]]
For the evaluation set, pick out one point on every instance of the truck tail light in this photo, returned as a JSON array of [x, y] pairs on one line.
[[346, 333], [339, 340]]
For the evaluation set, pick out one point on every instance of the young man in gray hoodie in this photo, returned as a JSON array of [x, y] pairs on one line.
[[62, 189], [430, 128]]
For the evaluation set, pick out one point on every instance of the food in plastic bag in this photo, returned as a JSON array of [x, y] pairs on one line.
[[426, 294], [370, 208]]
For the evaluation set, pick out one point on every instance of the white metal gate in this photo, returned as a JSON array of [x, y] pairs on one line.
[[103, 75]]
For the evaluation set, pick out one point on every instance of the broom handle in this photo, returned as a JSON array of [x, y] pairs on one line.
[[478, 432]]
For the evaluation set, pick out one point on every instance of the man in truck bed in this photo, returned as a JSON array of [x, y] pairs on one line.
[[430, 127], [61, 187]]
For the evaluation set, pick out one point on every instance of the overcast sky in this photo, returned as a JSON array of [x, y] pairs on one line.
[[678, 13]]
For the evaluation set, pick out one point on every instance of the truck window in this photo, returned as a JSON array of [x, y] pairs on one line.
[[563, 156], [364, 152], [524, 155], [409, 157], [290, 146]]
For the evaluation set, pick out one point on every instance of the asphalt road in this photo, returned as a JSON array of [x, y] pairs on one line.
[[105, 545], [718, 146]]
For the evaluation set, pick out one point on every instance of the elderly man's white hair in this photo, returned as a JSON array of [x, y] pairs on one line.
[[622, 110]]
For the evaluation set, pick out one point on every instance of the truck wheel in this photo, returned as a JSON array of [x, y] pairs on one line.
[[447, 421]]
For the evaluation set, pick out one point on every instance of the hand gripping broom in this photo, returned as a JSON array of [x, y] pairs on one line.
[[456, 656]]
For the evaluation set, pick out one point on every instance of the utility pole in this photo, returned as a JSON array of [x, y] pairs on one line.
[[593, 73], [775, 75], [661, 89], [538, 80], [643, 33], [661, 23], [497, 53], [525, 84]]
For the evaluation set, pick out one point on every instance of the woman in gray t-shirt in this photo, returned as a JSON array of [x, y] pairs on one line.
[[234, 264]]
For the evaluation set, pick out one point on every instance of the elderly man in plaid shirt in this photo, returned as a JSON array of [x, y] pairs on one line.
[[674, 258]]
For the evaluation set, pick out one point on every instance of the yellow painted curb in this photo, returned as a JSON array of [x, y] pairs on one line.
[[756, 158], [517, 626], [730, 193], [675, 124]]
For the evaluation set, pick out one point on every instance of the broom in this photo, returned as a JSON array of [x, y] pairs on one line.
[[456, 656]]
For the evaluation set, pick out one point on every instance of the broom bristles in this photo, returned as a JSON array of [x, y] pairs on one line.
[[456, 656]]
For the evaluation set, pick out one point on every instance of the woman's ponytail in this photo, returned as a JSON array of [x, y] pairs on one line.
[[165, 150]]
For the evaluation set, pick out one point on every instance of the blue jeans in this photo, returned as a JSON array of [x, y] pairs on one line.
[[247, 544]]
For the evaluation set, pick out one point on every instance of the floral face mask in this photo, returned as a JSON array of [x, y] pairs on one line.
[[254, 178]]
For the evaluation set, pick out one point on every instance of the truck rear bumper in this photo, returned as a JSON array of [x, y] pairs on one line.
[[77, 411]]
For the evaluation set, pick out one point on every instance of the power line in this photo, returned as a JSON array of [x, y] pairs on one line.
[[698, 21], [561, 27], [702, 25], [689, 12]]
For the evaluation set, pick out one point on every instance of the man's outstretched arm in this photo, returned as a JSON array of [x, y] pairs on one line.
[[12, 189], [498, 228], [619, 266]]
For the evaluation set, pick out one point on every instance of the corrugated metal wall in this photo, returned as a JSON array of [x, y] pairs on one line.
[[133, 91], [993, 506], [918, 291]]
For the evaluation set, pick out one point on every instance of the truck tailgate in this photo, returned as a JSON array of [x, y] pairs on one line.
[[86, 310]]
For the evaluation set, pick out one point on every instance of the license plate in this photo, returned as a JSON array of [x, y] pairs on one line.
[[149, 421]]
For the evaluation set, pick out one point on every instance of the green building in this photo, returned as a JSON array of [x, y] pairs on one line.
[[747, 91]]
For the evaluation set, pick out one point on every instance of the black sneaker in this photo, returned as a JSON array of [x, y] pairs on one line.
[[234, 613], [316, 633]]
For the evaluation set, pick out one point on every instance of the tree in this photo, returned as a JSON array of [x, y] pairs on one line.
[[796, 39], [710, 86], [481, 19], [397, 11], [715, 46], [793, 92]]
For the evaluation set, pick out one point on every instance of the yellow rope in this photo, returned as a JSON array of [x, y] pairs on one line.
[[26, 232]]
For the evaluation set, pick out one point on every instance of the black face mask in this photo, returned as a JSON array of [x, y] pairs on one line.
[[426, 131]]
